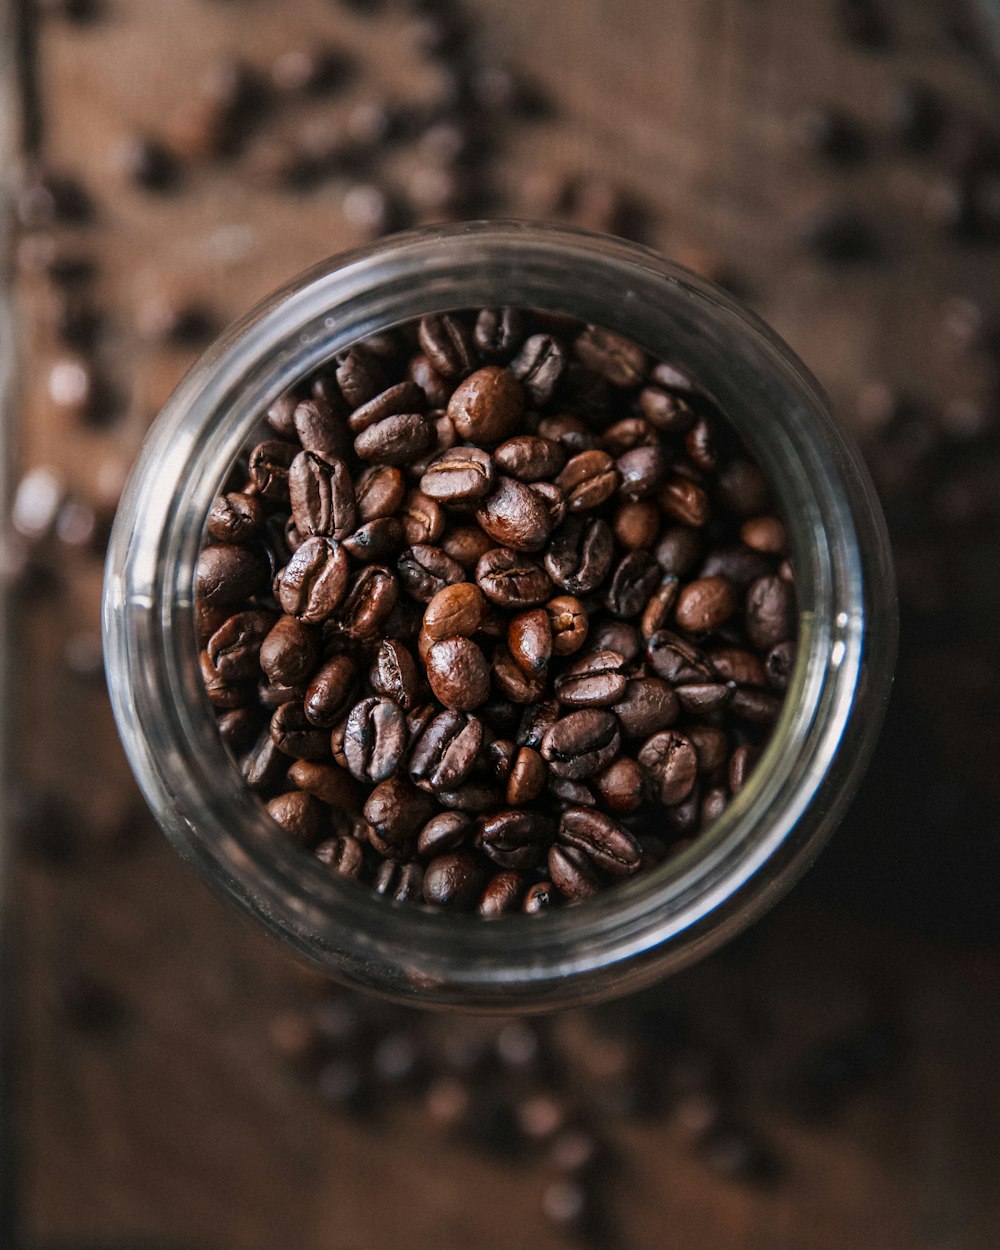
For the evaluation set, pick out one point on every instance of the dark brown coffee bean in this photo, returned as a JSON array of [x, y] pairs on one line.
[[344, 856], [659, 607], [778, 666], [535, 720], [467, 544], [711, 746], [672, 763], [770, 612], [622, 786], [453, 881], [313, 582], [515, 838], [448, 344], [605, 843], [326, 782], [238, 728], [290, 652], [538, 898], [529, 640], [641, 471], [379, 492], [713, 804], [529, 458], [474, 796], [375, 739], [741, 764], [281, 415], [743, 488], [299, 815], [765, 534], [498, 332], [636, 525], [573, 873], [395, 401], [527, 777], [370, 600], [394, 674], [396, 811], [568, 624], [679, 550], [459, 474], [571, 433], [502, 894], [701, 446], [737, 563], [322, 496], [514, 516], [633, 581], [264, 766], [234, 648], [736, 664], [628, 434], [759, 707], [611, 356], [424, 571], [271, 697], [444, 832], [588, 480], [329, 693], [683, 818], [701, 698], [294, 735], [677, 660], [269, 465], [595, 680], [235, 518], [512, 580], [581, 744], [579, 555], [376, 542], [222, 694], [402, 882], [360, 376], [647, 705], [228, 575], [395, 440], [423, 519], [664, 410], [621, 637], [540, 365], [455, 611], [514, 682], [553, 501], [445, 752], [705, 604], [487, 407], [684, 501], [458, 673]]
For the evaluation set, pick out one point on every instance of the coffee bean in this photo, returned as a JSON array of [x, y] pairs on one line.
[[322, 496], [568, 624], [516, 683], [290, 651], [424, 571], [540, 365], [588, 480], [234, 648], [393, 674], [444, 754], [326, 782], [360, 376], [579, 555], [641, 471], [235, 518], [344, 856], [238, 728], [467, 544], [765, 534], [529, 458], [665, 411], [395, 440], [497, 333], [375, 739], [459, 474], [487, 407], [659, 607], [737, 563], [581, 744], [633, 581], [527, 777], [221, 693], [741, 763], [684, 501], [299, 815], [447, 342], [423, 519], [595, 680], [502, 894], [453, 880], [770, 612], [679, 550], [294, 735], [512, 580], [264, 766], [711, 745], [647, 705], [676, 660], [330, 691], [705, 604], [514, 516], [319, 431], [458, 673], [376, 542], [404, 883], [529, 640], [778, 665], [370, 600], [636, 525], [570, 433], [622, 785], [701, 698], [515, 839], [573, 873], [396, 811], [605, 843], [743, 488], [379, 492], [613, 357], [455, 611], [269, 465], [229, 575], [672, 763], [538, 898], [313, 582], [757, 706], [738, 665], [444, 832]]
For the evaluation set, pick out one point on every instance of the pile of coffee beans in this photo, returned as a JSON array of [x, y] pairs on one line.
[[498, 613]]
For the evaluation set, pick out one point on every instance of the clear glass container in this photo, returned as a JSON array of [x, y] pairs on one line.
[[654, 923]]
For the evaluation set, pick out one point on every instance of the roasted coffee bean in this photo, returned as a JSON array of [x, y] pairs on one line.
[[299, 815], [527, 777], [343, 855], [322, 496], [705, 604], [404, 883], [571, 433], [454, 880], [448, 344], [271, 697], [759, 707], [457, 475], [497, 333], [515, 839], [568, 624], [659, 607], [701, 445], [672, 762], [588, 480], [395, 440], [264, 766], [326, 782], [360, 376], [395, 401], [553, 501], [701, 698], [396, 811], [435, 387], [290, 652], [736, 664], [319, 431], [741, 763], [538, 898], [778, 665], [679, 550], [737, 563], [235, 518], [636, 525], [666, 411], [608, 845], [294, 735], [222, 694], [647, 705], [228, 575], [743, 488], [238, 728], [281, 415], [370, 600], [684, 501], [444, 832], [529, 458], [770, 612], [423, 519], [765, 534], [514, 516], [458, 673], [713, 804], [376, 542], [488, 406], [578, 558], [636, 577], [573, 873], [329, 693], [514, 682], [234, 648], [581, 744], [621, 637], [313, 582], [502, 894], [622, 786], [711, 745], [595, 680], [540, 365], [535, 720], [445, 752], [641, 471], [677, 661], [611, 356], [529, 640], [512, 580], [424, 571], [467, 544], [379, 492], [269, 465], [455, 611], [474, 796], [393, 674], [375, 739]]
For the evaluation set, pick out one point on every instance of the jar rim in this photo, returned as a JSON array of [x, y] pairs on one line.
[[651, 924]]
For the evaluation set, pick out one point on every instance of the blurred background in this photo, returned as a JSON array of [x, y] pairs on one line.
[[170, 1077]]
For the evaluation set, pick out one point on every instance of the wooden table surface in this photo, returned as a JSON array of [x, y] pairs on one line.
[[182, 1128]]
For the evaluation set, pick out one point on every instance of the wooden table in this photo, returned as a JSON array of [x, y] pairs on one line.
[[180, 1127]]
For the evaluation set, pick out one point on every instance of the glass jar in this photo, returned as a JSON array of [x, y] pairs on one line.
[[654, 923]]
